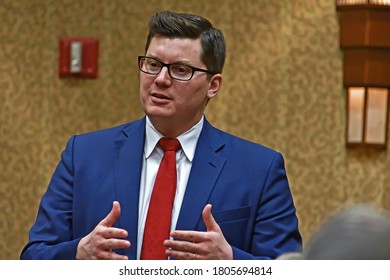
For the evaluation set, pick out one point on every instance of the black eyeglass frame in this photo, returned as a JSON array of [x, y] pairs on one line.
[[194, 69]]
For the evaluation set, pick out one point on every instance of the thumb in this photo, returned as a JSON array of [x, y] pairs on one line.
[[111, 218], [209, 220]]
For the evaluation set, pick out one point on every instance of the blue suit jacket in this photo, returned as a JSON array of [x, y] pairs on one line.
[[245, 182]]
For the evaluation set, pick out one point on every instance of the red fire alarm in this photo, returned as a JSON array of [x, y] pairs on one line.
[[78, 57]]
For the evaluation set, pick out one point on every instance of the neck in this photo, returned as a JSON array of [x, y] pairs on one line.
[[172, 128]]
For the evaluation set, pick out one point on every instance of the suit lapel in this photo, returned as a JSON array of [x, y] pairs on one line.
[[128, 166], [206, 167]]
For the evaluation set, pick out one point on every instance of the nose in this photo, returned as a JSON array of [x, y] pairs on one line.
[[163, 76], [164, 73]]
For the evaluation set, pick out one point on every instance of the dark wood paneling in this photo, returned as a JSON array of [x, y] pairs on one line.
[[365, 27], [367, 67], [365, 41]]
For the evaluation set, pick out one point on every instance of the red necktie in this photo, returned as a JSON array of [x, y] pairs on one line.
[[158, 220]]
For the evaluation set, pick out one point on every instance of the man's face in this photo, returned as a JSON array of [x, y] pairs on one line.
[[170, 102]]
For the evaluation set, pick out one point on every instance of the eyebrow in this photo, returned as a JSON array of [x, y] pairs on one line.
[[176, 62]]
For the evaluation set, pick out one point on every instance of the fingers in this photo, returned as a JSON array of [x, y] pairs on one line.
[[209, 220], [183, 250], [209, 245], [113, 233], [115, 256], [109, 255], [187, 245], [184, 246], [189, 235], [111, 244], [187, 241], [105, 228], [179, 255], [113, 216], [104, 238], [109, 233]]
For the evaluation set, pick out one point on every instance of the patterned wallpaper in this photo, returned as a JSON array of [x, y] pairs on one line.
[[282, 87]]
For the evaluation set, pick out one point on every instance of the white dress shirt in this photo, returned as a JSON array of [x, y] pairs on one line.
[[151, 160]]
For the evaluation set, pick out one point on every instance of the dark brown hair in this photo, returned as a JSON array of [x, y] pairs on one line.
[[176, 25]]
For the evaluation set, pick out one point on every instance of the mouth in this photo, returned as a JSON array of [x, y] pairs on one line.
[[160, 98]]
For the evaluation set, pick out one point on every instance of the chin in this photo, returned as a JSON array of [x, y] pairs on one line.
[[158, 113]]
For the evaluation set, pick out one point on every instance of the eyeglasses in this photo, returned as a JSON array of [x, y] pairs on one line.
[[177, 71]]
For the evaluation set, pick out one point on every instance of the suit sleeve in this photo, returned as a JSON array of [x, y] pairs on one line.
[[51, 236], [276, 225]]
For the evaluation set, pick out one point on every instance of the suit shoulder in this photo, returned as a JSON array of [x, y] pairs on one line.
[[247, 146], [112, 132]]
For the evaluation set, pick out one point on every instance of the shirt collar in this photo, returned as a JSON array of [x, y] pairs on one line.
[[188, 139]]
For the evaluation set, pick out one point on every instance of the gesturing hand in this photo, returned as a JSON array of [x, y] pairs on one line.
[[210, 245], [98, 244]]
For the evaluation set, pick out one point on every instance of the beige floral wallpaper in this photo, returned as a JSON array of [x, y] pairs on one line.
[[282, 88]]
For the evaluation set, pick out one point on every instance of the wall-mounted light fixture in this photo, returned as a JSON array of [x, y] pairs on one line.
[[365, 42], [367, 116]]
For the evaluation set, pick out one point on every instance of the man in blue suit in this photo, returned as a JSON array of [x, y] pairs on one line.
[[232, 196]]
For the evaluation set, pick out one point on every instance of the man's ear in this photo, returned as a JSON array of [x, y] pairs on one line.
[[215, 85]]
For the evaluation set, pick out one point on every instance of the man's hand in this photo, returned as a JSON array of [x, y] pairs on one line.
[[196, 245], [99, 243]]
